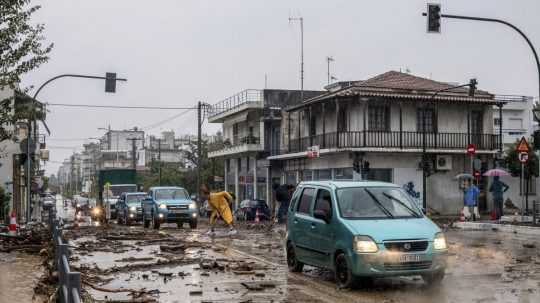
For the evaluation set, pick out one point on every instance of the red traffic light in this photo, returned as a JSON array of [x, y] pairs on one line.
[[471, 149], [476, 174]]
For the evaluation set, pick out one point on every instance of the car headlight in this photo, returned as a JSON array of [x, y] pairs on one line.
[[96, 211], [78, 205], [133, 208], [192, 206], [439, 243], [163, 206], [364, 244]]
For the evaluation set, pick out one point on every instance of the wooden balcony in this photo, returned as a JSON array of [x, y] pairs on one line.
[[392, 139]]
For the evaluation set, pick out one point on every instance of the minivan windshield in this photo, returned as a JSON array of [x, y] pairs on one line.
[[376, 203], [171, 194]]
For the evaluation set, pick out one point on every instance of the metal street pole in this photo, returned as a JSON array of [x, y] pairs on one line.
[[108, 78], [301, 19], [199, 145], [424, 147]]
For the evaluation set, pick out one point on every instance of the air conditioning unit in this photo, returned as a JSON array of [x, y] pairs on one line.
[[444, 162]]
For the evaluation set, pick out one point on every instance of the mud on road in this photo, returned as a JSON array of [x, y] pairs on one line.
[[132, 264]]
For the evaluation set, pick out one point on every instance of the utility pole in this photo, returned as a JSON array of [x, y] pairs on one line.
[[328, 60], [134, 151], [301, 20], [159, 160], [199, 144]]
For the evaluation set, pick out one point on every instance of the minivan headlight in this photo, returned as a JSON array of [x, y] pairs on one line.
[[439, 242], [163, 206], [133, 208], [192, 206], [364, 244]]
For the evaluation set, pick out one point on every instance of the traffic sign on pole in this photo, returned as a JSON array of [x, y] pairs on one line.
[[523, 146], [471, 149], [523, 157]]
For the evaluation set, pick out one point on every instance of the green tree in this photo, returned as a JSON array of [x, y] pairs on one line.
[[22, 50]]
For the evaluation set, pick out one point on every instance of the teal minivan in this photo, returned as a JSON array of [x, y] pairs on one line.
[[362, 230]]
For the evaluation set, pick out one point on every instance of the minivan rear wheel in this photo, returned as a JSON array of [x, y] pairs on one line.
[[292, 262], [343, 274]]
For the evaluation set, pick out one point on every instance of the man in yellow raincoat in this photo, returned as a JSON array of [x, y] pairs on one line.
[[219, 202]]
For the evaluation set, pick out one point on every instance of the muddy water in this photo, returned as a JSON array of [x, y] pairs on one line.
[[483, 267], [19, 274]]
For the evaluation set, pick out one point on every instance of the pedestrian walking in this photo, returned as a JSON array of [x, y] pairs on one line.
[[284, 195], [497, 189], [219, 203], [470, 200]]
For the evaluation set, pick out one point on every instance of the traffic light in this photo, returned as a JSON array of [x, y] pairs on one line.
[[472, 87], [536, 140], [434, 18], [110, 82]]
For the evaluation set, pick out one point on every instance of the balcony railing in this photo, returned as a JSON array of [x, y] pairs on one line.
[[237, 142], [393, 139], [244, 97]]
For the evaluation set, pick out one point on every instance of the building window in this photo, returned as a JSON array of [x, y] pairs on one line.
[[312, 124], [307, 175], [380, 174], [343, 173], [379, 118], [431, 120], [322, 174], [497, 122], [228, 165], [247, 164], [515, 123]]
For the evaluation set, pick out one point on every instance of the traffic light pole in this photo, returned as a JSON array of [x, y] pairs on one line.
[[472, 84], [107, 79], [509, 25]]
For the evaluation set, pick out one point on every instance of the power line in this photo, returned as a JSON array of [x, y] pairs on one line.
[[156, 124], [118, 106]]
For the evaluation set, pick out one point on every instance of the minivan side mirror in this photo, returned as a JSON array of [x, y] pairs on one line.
[[321, 215]]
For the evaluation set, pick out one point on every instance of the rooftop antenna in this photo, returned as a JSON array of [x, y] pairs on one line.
[[328, 60], [301, 20]]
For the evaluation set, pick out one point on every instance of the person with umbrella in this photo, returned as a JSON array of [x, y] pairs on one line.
[[497, 189]]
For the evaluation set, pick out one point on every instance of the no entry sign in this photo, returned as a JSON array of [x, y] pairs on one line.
[[471, 149]]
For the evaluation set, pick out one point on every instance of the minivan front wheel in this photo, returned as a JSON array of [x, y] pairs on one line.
[[292, 262], [343, 274]]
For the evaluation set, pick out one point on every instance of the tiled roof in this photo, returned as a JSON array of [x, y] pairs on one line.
[[403, 81], [397, 85]]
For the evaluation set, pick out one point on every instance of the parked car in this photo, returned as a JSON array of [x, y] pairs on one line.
[[247, 210], [129, 207], [169, 205], [362, 230]]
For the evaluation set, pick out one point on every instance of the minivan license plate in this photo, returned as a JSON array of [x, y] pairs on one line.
[[409, 258], [176, 211]]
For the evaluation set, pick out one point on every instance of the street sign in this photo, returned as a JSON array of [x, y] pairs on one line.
[[523, 157], [313, 151], [523, 146], [471, 149]]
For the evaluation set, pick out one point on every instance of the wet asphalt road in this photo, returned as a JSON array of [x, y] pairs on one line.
[[251, 267]]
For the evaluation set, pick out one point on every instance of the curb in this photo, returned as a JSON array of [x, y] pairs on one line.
[[525, 230]]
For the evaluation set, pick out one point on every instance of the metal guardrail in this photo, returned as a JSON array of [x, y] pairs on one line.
[[69, 281]]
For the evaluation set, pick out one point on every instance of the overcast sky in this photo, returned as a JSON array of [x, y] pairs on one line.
[[175, 53]]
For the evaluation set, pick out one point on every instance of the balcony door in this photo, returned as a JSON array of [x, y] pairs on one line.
[[477, 128]]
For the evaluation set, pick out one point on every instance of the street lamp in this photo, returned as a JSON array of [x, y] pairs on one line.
[[110, 87]]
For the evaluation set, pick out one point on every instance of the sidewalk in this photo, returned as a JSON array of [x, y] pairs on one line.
[[495, 226]]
